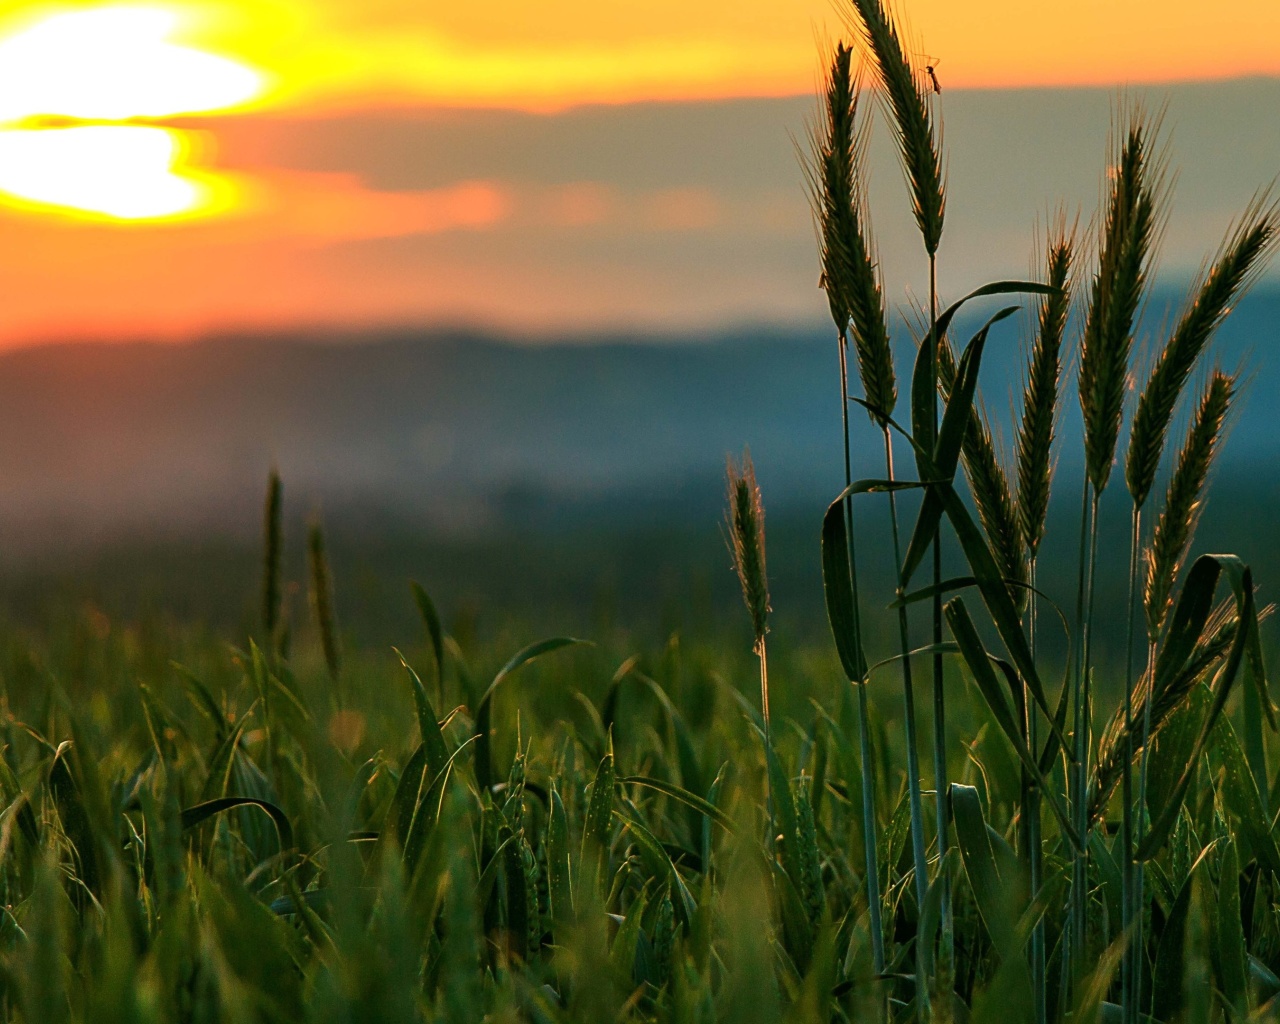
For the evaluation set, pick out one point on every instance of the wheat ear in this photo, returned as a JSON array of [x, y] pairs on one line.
[[1128, 234], [910, 100], [1034, 446], [849, 270], [1184, 501], [1237, 264]]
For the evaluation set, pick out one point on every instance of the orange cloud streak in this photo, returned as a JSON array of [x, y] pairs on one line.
[[338, 52]]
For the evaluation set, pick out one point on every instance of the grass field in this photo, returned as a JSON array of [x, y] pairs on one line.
[[1027, 773]]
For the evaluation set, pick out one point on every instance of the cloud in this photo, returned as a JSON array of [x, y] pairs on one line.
[[339, 206], [647, 216]]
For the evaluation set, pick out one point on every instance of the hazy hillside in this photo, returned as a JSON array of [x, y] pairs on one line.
[[450, 429], [593, 465]]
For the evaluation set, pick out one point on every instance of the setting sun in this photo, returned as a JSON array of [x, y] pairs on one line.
[[109, 64], [119, 172]]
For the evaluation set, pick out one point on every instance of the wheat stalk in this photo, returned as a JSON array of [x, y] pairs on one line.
[[853, 293], [1237, 264], [1034, 445], [272, 556], [989, 485], [849, 271], [1183, 503], [322, 601], [909, 99], [919, 144], [1216, 639], [1033, 455], [1127, 237], [746, 542]]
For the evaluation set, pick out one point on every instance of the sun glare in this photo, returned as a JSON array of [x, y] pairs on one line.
[[120, 172], [112, 63]]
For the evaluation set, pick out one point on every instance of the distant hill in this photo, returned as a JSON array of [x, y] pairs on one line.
[[563, 472], [457, 432]]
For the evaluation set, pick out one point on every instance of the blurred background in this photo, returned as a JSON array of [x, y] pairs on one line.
[[497, 289]]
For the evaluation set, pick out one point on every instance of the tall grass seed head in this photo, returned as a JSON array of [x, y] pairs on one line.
[[746, 542]]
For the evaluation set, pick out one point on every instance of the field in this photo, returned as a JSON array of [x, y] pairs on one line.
[[989, 758]]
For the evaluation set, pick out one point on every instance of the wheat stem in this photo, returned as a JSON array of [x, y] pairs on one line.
[[1086, 725], [870, 841], [947, 950], [322, 601], [1079, 863], [869, 832], [272, 558], [1130, 964], [1032, 811], [908, 702], [746, 543]]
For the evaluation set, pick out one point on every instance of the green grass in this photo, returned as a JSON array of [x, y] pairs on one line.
[[292, 826]]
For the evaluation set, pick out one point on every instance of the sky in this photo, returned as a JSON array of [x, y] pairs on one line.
[[173, 169]]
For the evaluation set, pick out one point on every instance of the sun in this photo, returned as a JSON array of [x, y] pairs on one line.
[[107, 65]]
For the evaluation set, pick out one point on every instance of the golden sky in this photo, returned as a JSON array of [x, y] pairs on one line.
[[96, 157], [565, 51]]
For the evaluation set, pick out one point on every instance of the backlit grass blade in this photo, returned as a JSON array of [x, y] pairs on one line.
[[1233, 971], [1008, 719], [431, 620], [1159, 830], [559, 871], [838, 588], [429, 799], [196, 815], [710, 810], [1241, 799], [924, 383], [596, 832], [428, 725], [483, 726], [994, 894], [947, 446], [404, 799], [995, 595], [660, 862]]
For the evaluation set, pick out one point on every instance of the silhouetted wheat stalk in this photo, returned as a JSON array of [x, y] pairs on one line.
[[853, 293], [1034, 460], [272, 556], [1240, 258], [989, 486], [746, 543], [322, 603], [856, 277], [1128, 234], [919, 143], [1002, 548]]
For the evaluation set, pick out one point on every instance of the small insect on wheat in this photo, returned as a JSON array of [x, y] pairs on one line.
[[930, 64]]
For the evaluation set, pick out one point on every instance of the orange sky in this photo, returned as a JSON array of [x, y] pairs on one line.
[[204, 230], [504, 52], [564, 51]]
